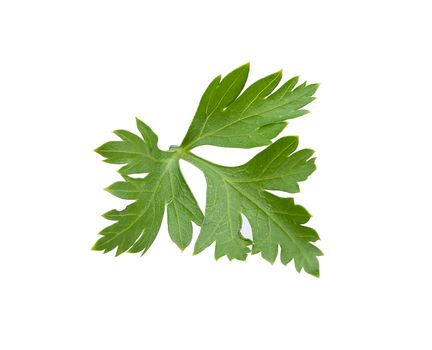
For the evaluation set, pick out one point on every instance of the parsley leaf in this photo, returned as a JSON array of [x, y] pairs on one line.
[[275, 221], [137, 225], [227, 116]]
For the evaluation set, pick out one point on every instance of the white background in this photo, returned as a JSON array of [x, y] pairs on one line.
[[73, 71]]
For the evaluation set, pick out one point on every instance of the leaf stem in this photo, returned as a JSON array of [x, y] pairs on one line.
[[199, 162]]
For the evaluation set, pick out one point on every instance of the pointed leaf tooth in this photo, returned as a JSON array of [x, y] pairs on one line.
[[127, 136], [229, 88], [147, 133], [113, 215], [256, 92], [286, 88]]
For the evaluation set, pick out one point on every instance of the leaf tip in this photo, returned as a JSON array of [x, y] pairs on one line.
[[182, 247], [139, 122], [197, 250], [245, 67], [118, 132], [96, 248], [98, 150], [315, 273]]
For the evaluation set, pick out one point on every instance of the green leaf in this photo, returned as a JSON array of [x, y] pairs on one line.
[[227, 117], [137, 225], [276, 222]]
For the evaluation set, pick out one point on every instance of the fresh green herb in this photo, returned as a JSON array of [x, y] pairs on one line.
[[226, 117]]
